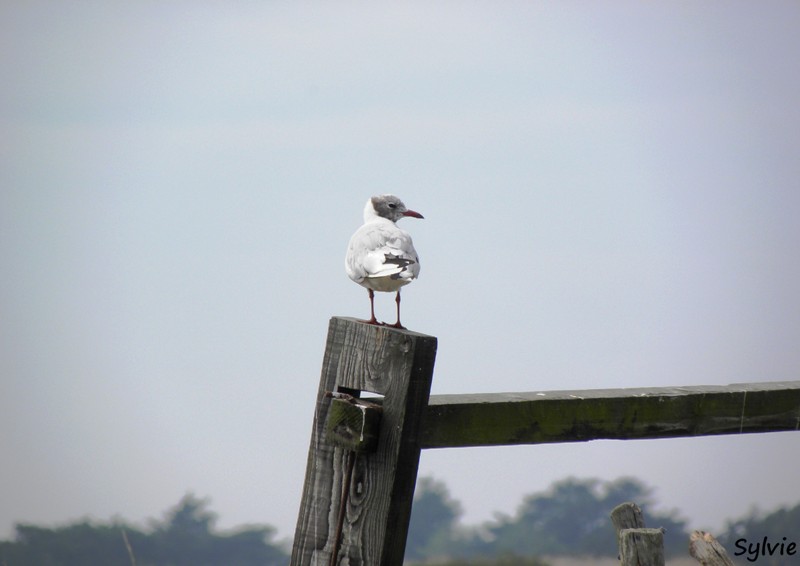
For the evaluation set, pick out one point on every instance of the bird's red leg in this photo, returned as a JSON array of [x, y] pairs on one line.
[[372, 319], [397, 324]]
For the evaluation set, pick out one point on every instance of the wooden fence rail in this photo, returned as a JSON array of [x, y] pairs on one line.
[[357, 504], [574, 416]]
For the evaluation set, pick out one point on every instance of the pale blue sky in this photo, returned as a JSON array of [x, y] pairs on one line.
[[610, 192]]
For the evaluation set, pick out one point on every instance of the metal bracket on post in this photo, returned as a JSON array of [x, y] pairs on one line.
[[353, 423]]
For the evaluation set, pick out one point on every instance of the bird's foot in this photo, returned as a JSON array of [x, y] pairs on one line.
[[375, 322]]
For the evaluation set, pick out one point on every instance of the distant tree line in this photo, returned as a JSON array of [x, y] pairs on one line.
[[571, 518], [185, 538]]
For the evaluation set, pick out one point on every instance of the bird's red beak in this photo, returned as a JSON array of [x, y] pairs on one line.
[[413, 213]]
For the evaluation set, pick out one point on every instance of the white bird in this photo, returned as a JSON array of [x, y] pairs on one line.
[[381, 256]]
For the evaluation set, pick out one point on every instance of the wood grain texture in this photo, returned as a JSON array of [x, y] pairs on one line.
[[640, 547], [704, 548], [577, 416], [397, 364], [627, 516]]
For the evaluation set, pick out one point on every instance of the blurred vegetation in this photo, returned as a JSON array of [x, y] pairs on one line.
[[504, 560], [185, 538], [781, 525], [571, 518]]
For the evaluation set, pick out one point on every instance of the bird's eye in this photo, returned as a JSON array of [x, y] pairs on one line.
[[392, 205]]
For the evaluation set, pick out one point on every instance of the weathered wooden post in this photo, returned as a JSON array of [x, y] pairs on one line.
[[704, 548], [356, 506], [637, 545]]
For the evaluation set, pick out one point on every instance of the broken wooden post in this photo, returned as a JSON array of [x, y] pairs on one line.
[[637, 545], [641, 546], [365, 523], [704, 548], [627, 516]]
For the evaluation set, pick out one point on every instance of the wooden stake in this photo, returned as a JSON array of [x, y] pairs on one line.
[[704, 548], [394, 363]]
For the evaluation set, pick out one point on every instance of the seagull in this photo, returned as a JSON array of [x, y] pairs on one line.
[[381, 256]]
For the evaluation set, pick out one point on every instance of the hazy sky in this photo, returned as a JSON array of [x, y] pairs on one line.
[[610, 192]]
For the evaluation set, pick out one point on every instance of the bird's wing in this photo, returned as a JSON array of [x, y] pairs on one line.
[[379, 250]]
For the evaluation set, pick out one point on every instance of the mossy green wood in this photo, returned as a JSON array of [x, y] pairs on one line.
[[574, 416], [397, 364], [353, 425]]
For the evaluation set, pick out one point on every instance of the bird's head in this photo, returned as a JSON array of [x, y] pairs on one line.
[[388, 206]]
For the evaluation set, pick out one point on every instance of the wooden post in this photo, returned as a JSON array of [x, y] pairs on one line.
[[397, 364], [637, 545], [704, 548], [627, 516]]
